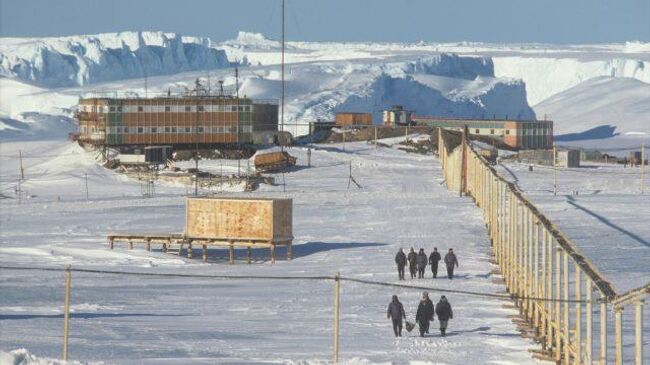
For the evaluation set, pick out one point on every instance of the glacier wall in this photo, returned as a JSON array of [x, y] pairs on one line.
[[546, 76], [80, 60]]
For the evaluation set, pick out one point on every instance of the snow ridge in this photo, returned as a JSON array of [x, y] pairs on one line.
[[80, 60]]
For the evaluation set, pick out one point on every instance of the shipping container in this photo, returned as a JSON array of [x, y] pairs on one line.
[[255, 219]]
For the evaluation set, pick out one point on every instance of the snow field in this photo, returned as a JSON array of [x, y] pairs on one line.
[[130, 319]]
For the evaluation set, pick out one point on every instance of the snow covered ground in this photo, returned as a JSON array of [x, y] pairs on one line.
[[130, 319]]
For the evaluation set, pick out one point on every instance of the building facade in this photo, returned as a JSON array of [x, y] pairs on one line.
[[524, 134], [207, 120]]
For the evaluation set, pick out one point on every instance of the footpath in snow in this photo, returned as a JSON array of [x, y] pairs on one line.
[[153, 320]]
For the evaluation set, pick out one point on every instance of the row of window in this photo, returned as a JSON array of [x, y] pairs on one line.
[[171, 130], [164, 108], [533, 132]]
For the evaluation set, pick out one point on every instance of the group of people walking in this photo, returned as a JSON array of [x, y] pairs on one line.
[[424, 315], [417, 263]]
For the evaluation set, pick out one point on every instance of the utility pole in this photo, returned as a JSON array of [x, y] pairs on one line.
[[22, 170], [86, 176], [66, 311], [554, 169], [337, 313], [642, 168], [282, 84]]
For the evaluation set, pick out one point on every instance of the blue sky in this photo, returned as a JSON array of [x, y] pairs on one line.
[[545, 21]]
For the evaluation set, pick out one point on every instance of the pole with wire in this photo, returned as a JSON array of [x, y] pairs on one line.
[[86, 178], [22, 170], [282, 86], [66, 311], [642, 168], [554, 169]]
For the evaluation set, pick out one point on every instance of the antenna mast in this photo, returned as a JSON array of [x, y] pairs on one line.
[[282, 83]]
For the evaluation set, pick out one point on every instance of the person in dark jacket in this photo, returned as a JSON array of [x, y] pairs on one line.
[[424, 314], [434, 258], [451, 262], [444, 312], [400, 260], [421, 261], [412, 262], [396, 313]]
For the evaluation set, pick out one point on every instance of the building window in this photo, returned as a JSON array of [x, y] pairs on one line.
[[112, 109], [200, 129], [140, 108], [188, 130], [168, 108], [119, 109], [233, 108], [200, 108], [118, 130], [507, 131], [140, 130], [247, 108], [154, 130], [523, 132], [491, 131], [477, 131], [173, 129], [166, 129], [188, 108]]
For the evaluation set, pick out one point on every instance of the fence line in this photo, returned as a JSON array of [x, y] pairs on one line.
[[538, 261], [286, 277]]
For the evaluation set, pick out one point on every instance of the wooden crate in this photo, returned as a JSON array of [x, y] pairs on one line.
[[240, 219], [273, 161]]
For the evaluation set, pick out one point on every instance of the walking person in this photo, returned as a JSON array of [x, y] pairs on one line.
[[451, 261], [424, 314], [412, 259], [434, 259], [444, 312], [421, 261], [396, 313], [400, 260]]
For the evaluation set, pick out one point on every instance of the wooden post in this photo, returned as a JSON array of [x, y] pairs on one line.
[[549, 291], [272, 252], [66, 311], [148, 244], [248, 254], [375, 137], [603, 331], [289, 257], [110, 242], [189, 249], [578, 312], [535, 291], [231, 252], [205, 252], [565, 314], [638, 333], [589, 321], [618, 334], [337, 293], [130, 244], [558, 292]]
